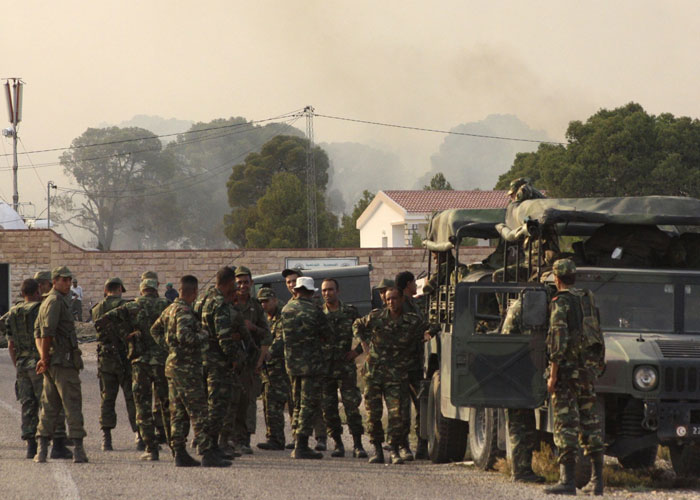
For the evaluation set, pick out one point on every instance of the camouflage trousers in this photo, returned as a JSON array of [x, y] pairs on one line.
[[246, 420], [522, 435], [28, 389], [109, 388], [575, 420], [351, 397], [219, 382], [410, 398], [149, 381], [307, 393], [276, 394], [391, 391], [61, 391], [237, 410], [188, 402]]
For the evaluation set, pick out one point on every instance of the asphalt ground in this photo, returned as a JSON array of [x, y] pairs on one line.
[[265, 474]]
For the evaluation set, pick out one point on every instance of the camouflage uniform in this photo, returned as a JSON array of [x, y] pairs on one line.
[[19, 323], [225, 328], [147, 360], [415, 375], [343, 375], [307, 355], [113, 370], [392, 346], [276, 388], [178, 329]]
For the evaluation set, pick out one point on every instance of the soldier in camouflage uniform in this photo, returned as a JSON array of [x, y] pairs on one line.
[[570, 384], [60, 361], [276, 388], [225, 328], [178, 329], [19, 325], [113, 368], [132, 323], [256, 322], [343, 374], [389, 336], [307, 353]]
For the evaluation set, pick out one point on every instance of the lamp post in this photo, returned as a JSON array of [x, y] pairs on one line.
[[48, 203]]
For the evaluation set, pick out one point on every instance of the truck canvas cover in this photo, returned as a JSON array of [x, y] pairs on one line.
[[444, 226]]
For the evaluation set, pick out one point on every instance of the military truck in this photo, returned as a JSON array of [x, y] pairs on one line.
[[641, 258]]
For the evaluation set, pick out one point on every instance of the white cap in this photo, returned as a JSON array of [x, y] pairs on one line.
[[306, 282]]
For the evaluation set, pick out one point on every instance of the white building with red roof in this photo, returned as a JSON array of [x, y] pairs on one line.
[[393, 217]]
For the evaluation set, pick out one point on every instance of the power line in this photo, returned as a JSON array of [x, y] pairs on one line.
[[30, 161], [438, 131]]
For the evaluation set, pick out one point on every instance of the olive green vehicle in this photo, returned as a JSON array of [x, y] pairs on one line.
[[641, 258]]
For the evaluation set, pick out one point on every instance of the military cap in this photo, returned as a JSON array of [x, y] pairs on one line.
[[169, 285], [515, 184], [42, 276], [149, 275], [294, 270], [242, 271], [148, 283], [564, 267], [61, 271], [115, 280], [266, 293], [386, 283]]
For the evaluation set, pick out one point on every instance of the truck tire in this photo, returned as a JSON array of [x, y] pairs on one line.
[[685, 459], [447, 437], [483, 437], [641, 459]]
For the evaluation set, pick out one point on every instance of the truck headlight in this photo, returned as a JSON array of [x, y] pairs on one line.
[[646, 378]]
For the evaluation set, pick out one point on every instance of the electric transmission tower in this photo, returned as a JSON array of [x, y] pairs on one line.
[[311, 219]]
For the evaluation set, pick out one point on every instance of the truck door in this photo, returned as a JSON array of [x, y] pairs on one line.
[[490, 369]]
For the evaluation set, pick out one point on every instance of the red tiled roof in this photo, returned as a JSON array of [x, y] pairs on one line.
[[429, 201]]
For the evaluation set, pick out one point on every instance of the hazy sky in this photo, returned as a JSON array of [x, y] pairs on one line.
[[431, 64]]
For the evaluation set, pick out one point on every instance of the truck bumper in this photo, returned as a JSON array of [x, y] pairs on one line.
[[673, 421]]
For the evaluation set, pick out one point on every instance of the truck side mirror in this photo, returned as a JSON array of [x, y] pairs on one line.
[[534, 308]]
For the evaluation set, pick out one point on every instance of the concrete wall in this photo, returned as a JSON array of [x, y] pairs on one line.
[[32, 250]]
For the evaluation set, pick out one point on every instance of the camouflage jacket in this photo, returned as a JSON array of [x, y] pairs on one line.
[[178, 329], [305, 332], [224, 327], [111, 350], [276, 351], [565, 326], [341, 321], [55, 320], [392, 343], [20, 330], [253, 312], [136, 316]]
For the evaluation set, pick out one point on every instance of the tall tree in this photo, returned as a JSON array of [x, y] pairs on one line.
[[438, 183], [348, 234], [619, 152]]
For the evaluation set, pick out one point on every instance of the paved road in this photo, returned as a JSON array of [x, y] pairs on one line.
[[120, 474]]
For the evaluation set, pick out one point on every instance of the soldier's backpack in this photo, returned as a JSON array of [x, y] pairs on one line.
[[592, 340]]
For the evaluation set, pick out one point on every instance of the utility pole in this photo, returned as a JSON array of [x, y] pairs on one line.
[[311, 216], [48, 203], [13, 94]]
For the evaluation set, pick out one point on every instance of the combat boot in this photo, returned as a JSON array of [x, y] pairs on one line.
[[321, 444], [358, 450], [151, 454], [42, 451], [223, 454], [161, 436], [396, 455], [107, 440], [227, 448], [79, 456], [31, 447], [378, 457], [289, 446], [271, 444], [566, 485], [244, 445], [140, 443], [405, 452], [183, 459], [60, 450], [339, 450], [595, 485], [212, 459], [422, 449], [302, 450], [528, 476]]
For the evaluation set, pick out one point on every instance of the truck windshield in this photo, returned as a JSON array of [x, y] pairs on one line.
[[634, 307]]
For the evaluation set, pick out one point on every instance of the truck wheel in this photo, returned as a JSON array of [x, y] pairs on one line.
[[685, 459], [483, 437], [447, 437], [646, 457]]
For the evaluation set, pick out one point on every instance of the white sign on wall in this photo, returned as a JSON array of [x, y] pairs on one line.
[[320, 262]]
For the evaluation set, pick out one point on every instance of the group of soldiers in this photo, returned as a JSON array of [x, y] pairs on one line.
[[205, 358]]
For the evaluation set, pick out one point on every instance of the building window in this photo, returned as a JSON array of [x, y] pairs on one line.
[[385, 242]]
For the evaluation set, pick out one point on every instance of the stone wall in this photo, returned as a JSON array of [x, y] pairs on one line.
[[42, 249]]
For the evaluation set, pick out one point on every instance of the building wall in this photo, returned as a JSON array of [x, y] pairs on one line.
[[379, 225], [42, 249]]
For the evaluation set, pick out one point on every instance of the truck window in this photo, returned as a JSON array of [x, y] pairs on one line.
[[692, 309]]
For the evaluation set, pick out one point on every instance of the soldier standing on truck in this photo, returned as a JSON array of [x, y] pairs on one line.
[[570, 384]]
